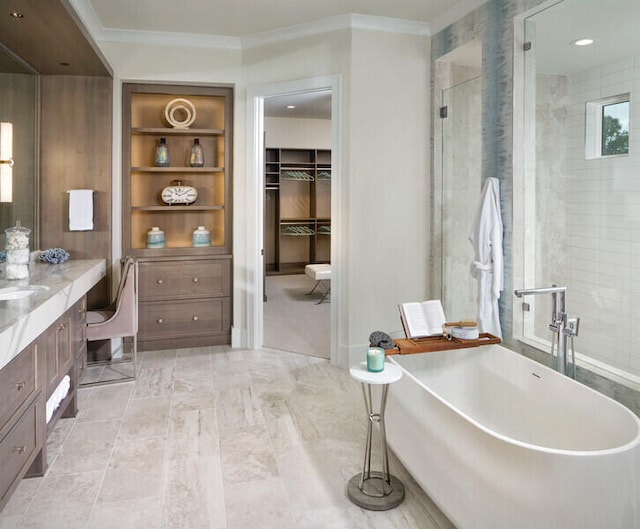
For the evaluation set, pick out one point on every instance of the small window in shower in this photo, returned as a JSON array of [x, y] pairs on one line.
[[607, 124]]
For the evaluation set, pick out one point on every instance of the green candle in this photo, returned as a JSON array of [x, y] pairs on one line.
[[375, 359]]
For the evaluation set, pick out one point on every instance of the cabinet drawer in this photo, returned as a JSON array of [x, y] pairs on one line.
[[58, 354], [18, 448], [184, 279], [19, 383], [164, 320]]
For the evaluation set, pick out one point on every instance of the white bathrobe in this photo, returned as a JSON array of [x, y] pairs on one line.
[[487, 266]]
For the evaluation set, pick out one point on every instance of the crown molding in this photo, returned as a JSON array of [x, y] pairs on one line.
[[89, 18], [171, 38], [337, 23], [84, 9], [87, 14]]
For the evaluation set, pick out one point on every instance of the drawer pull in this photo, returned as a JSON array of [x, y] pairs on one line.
[[19, 449], [195, 279], [159, 281], [62, 326], [160, 320], [195, 318], [20, 385]]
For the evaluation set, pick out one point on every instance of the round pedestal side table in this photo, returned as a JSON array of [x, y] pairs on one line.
[[377, 490]]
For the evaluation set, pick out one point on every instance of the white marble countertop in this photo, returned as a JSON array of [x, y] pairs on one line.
[[23, 320]]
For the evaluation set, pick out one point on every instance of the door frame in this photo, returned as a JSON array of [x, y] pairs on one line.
[[255, 202]]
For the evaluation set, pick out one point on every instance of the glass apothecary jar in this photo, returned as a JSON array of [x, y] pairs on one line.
[[17, 247]]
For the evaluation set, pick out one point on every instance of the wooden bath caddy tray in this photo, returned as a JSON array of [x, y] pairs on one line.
[[438, 343]]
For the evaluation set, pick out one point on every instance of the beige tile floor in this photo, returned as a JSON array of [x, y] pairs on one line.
[[213, 438]]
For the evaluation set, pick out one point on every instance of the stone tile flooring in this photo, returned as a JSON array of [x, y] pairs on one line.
[[213, 438]]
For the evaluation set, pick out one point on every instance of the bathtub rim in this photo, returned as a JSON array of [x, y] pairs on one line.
[[510, 440]]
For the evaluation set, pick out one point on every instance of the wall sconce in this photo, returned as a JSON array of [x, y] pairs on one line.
[[6, 162]]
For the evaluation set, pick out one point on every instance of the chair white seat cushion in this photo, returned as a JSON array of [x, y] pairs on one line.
[[318, 272]]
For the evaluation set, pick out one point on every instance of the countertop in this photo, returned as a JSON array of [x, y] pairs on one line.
[[23, 320]]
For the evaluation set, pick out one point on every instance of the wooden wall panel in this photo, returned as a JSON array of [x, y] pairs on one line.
[[18, 103], [75, 153]]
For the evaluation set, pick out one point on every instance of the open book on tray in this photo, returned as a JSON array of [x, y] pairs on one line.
[[422, 319]]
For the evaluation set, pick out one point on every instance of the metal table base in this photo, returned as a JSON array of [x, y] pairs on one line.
[[375, 491]]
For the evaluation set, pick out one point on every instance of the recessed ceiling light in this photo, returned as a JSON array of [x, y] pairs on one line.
[[291, 107], [15, 14], [582, 42]]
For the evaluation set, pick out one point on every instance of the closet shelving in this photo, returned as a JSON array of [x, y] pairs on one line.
[[297, 208]]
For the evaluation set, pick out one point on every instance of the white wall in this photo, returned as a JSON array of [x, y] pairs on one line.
[[297, 133], [384, 185], [387, 239]]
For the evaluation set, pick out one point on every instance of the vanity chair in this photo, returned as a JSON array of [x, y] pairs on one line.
[[118, 320]]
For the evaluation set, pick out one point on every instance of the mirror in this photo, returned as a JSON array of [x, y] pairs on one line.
[[18, 105], [581, 193]]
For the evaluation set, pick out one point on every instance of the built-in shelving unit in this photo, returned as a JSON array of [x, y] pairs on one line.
[[297, 209], [184, 294]]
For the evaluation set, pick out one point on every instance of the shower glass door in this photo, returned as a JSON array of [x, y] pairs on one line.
[[461, 187], [581, 226]]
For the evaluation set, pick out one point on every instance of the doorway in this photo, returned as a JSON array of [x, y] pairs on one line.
[[258, 279], [297, 221]]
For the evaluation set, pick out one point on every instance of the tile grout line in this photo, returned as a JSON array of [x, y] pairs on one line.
[[113, 448], [165, 463], [273, 451]]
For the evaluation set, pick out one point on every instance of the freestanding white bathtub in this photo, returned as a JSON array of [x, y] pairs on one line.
[[501, 442]]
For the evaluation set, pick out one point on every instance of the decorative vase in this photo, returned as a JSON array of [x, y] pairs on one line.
[[155, 238], [162, 154], [196, 155], [201, 237]]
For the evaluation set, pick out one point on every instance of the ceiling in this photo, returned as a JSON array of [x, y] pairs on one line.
[[243, 18], [613, 24], [44, 37], [48, 43], [308, 105]]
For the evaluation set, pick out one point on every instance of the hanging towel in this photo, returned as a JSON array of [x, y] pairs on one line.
[[487, 267], [58, 395], [80, 209]]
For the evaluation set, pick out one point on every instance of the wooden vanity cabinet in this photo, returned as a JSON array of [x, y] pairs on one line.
[[21, 416], [19, 449], [79, 337], [58, 356], [65, 354], [26, 383], [21, 384]]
